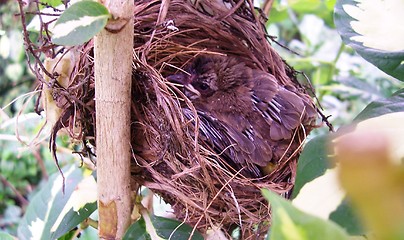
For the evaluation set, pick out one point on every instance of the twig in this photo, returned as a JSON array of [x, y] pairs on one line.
[[325, 120], [19, 196], [28, 45], [39, 159], [267, 7]]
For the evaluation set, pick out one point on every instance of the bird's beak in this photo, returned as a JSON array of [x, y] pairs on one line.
[[185, 80], [180, 78]]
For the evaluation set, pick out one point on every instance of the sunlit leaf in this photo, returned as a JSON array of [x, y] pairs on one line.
[[45, 217], [317, 190], [313, 162], [372, 29], [49, 16], [322, 9], [306, 6], [380, 107], [80, 22], [328, 195], [73, 218], [289, 223], [6, 236], [53, 3], [321, 76]]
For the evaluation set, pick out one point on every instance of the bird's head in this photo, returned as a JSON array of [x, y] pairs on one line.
[[207, 75], [199, 78]]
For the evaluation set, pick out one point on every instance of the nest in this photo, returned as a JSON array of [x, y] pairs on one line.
[[168, 156]]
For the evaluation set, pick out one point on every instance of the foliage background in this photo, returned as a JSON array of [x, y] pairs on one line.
[[343, 81]]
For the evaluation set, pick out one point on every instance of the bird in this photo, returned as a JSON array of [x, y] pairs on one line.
[[245, 115]]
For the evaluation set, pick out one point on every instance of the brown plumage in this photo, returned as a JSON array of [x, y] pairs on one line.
[[245, 114]]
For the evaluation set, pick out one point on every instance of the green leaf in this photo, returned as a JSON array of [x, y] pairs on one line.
[[165, 228], [172, 229], [321, 76], [52, 213], [289, 223], [316, 190], [345, 216], [80, 22], [14, 71], [68, 236], [53, 3], [370, 27], [277, 15], [323, 9], [384, 106], [137, 231], [6, 236], [82, 203], [73, 218], [360, 87], [306, 6], [313, 162]]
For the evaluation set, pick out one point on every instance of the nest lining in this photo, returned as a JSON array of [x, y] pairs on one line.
[[168, 158]]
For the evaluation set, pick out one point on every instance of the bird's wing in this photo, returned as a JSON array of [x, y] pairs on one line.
[[250, 145], [283, 110], [233, 148]]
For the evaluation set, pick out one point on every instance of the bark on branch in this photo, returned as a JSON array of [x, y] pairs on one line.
[[113, 76]]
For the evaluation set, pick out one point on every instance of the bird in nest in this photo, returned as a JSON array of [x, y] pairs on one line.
[[246, 116]]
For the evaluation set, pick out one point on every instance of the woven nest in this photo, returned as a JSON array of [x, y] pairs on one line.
[[168, 158]]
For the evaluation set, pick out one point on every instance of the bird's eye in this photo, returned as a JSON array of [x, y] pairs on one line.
[[203, 86]]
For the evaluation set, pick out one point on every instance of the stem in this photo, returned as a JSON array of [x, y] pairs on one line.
[[113, 82], [19, 196], [334, 63]]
